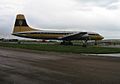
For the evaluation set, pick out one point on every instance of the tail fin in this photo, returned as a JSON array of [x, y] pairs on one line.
[[21, 24]]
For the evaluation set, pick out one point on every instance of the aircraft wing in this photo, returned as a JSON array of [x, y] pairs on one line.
[[77, 36]]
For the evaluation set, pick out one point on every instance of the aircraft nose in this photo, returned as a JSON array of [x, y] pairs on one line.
[[101, 37]]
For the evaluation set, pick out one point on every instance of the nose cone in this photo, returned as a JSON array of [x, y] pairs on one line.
[[101, 37], [98, 37]]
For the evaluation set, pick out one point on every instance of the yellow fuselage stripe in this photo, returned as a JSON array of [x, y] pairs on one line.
[[45, 35]]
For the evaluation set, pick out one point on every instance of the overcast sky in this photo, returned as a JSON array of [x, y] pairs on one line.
[[101, 16]]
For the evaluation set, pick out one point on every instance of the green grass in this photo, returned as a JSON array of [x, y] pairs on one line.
[[61, 48]]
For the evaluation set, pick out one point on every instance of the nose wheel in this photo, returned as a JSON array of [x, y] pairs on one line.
[[96, 43]]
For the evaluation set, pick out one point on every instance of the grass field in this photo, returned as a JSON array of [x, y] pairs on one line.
[[61, 48]]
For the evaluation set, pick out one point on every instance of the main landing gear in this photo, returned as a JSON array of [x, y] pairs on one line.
[[85, 43], [66, 43]]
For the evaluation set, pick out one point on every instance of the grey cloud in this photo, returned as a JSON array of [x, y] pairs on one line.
[[113, 6], [101, 3]]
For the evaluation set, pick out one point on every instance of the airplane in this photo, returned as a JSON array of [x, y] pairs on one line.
[[22, 29]]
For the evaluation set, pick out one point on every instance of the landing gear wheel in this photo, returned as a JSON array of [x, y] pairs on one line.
[[84, 44], [66, 43]]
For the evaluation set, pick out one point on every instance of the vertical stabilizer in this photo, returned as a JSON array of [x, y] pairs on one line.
[[21, 24]]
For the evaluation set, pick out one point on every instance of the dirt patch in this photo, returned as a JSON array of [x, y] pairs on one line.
[[28, 67]]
